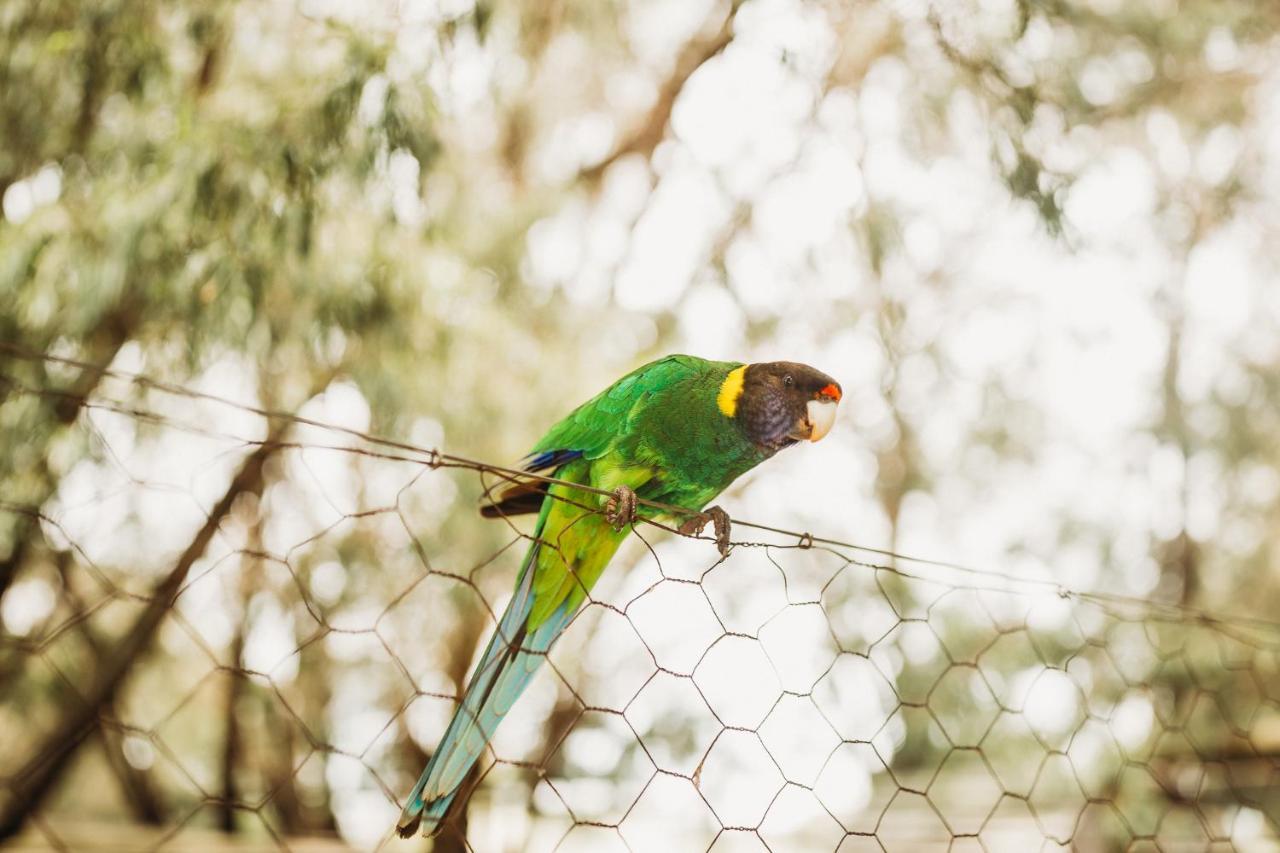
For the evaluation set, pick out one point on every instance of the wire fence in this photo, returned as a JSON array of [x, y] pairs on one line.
[[225, 626]]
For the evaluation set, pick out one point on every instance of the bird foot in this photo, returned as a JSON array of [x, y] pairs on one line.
[[620, 509], [715, 515]]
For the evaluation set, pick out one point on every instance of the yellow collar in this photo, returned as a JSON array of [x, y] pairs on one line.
[[730, 391]]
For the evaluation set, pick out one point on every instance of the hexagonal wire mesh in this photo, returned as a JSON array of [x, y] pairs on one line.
[[258, 622]]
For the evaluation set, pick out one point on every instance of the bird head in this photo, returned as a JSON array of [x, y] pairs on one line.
[[781, 402]]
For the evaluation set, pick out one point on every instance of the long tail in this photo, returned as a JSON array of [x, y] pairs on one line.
[[509, 662]]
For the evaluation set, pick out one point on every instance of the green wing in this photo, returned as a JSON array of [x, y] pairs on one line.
[[595, 445], [603, 426], [597, 426]]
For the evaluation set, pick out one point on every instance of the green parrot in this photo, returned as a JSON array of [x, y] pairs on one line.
[[676, 431]]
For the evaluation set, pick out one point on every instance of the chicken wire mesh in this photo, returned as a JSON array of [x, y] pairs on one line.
[[245, 621]]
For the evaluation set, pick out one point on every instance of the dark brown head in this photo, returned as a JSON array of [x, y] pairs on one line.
[[780, 402]]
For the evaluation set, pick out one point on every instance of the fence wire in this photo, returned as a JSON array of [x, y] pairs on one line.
[[230, 627]]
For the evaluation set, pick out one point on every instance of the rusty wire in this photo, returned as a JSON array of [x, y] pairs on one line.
[[813, 693]]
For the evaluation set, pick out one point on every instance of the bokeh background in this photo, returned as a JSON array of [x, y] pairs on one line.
[[1034, 241]]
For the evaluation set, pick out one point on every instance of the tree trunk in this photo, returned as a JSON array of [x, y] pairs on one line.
[[315, 680], [37, 777], [453, 836], [281, 767], [231, 734], [136, 785], [232, 745]]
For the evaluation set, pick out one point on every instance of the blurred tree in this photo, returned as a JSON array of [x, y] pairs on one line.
[[451, 210], [246, 183]]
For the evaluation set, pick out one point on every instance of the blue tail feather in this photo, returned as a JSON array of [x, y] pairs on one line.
[[550, 459], [509, 663]]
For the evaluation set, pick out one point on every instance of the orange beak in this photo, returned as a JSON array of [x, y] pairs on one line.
[[831, 392]]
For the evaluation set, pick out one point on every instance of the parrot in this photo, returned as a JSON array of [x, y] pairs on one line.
[[676, 431]]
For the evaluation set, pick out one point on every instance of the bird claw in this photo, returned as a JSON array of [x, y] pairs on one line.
[[620, 509], [713, 515]]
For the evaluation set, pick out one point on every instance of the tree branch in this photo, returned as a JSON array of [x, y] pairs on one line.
[[645, 138], [34, 781]]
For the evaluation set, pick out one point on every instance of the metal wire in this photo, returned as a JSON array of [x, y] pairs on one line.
[[804, 693]]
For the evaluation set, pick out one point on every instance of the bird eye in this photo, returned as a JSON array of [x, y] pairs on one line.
[[788, 381]]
